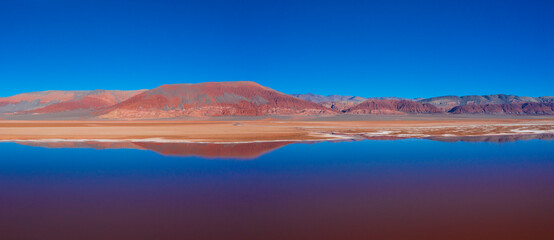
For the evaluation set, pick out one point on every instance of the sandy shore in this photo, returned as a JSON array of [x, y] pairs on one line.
[[264, 130]]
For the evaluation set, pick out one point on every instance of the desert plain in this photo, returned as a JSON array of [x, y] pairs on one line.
[[268, 130]]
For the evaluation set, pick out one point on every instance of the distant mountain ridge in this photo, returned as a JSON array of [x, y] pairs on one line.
[[339, 102], [331, 98], [376, 106], [340, 98], [534, 108], [470, 104], [448, 102]]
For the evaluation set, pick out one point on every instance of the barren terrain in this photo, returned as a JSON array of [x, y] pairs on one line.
[[241, 131]]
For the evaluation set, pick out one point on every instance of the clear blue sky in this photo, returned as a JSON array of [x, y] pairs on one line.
[[366, 48]]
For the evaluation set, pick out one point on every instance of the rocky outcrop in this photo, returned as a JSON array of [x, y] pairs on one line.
[[339, 106], [212, 99], [392, 107], [511, 108]]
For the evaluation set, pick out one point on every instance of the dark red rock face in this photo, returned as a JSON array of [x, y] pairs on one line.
[[511, 108], [392, 107], [212, 99]]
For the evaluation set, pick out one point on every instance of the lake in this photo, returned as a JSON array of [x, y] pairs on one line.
[[371, 189]]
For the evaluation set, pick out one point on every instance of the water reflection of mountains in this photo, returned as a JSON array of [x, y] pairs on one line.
[[485, 138], [254, 150], [205, 150]]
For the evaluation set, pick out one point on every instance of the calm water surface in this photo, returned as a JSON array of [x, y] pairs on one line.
[[405, 189]]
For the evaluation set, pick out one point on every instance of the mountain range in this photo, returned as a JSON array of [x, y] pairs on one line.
[[471, 104], [212, 99]]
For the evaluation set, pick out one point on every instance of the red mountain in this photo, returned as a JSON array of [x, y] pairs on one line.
[[374, 106], [212, 99], [510, 108]]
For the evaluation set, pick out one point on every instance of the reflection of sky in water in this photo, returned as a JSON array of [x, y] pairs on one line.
[[348, 190]]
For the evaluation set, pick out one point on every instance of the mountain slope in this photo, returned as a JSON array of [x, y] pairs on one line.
[[59, 101], [212, 99], [374, 106], [34, 100], [93, 100]]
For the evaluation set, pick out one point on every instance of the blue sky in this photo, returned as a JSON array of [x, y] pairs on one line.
[[365, 48]]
